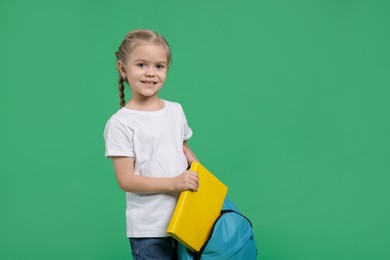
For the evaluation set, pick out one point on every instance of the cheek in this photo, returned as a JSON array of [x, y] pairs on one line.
[[163, 76], [134, 75]]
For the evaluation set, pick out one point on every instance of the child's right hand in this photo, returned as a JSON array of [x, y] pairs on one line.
[[188, 180]]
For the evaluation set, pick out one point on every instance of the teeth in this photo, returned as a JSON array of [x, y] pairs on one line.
[[149, 82]]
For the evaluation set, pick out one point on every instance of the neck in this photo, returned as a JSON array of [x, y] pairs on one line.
[[145, 104]]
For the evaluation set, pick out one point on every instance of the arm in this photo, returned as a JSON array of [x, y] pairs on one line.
[[191, 157], [128, 181]]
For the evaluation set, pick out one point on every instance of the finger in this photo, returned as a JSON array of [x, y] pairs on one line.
[[196, 177], [192, 173]]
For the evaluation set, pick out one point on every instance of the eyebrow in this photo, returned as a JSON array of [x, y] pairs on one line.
[[141, 60]]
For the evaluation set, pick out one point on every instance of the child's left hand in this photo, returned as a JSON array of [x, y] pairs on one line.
[[188, 180]]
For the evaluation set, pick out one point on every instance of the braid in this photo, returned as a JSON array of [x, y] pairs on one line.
[[121, 80]]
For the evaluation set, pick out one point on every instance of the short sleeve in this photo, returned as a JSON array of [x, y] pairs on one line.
[[118, 139], [187, 133]]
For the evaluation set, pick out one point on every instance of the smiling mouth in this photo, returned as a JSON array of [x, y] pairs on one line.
[[149, 83]]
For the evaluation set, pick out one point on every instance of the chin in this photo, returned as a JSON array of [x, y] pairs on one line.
[[149, 94]]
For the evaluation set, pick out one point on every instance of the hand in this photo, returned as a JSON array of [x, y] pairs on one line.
[[188, 180]]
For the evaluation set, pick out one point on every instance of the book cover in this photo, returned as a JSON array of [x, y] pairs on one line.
[[196, 212]]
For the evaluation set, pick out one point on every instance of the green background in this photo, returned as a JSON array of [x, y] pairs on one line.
[[288, 100]]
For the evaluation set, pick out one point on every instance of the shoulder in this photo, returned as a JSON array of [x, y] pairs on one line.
[[173, 105], [120, 120], [123, 115]]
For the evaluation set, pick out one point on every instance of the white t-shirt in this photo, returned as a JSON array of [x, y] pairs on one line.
[[155, 140]]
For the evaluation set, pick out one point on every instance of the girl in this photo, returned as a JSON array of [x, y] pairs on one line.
[[147, 142]]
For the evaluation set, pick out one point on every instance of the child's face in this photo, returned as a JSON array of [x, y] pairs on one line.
[[146, 69]]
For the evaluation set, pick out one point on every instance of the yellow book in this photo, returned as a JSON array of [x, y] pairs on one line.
[[196, 212]]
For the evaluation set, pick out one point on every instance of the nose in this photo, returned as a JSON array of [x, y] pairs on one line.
[[149, 72]]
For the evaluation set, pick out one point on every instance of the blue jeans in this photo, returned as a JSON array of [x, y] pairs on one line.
[[161, 248]]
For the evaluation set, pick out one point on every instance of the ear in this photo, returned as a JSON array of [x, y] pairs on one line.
[[121, 68]]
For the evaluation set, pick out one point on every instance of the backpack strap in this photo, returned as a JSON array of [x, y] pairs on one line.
[[224, 211]]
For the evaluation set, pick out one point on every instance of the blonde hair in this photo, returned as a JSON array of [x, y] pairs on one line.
[[132, 39]]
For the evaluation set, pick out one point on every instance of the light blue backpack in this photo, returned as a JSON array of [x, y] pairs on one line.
[[230, 238]]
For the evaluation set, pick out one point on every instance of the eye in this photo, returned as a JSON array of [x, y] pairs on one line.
[[141, 65], [160, 66]]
